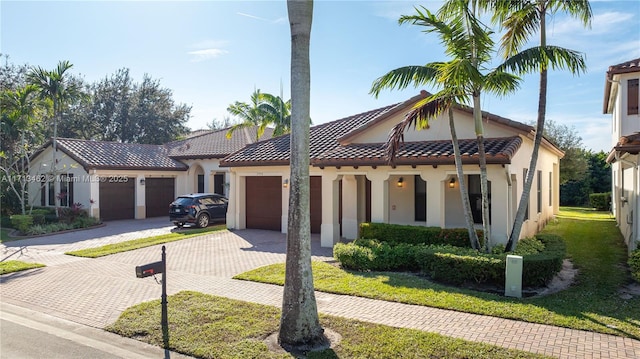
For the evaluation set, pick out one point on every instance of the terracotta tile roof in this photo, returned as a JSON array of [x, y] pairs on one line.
[[116, 155], [322, 138], [623, 68], [325, 141], [498, 150], [626, 144], [215, 144]]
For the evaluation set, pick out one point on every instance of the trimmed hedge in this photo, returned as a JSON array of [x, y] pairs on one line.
[[451, 264], [21, 222], [600, 201], [634, 264], [397, 233]]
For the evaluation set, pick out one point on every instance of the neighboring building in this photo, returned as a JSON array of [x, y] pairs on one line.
[[116, 180], [621, 98], [351, 183]]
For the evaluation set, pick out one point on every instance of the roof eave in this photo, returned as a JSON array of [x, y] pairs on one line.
[[254, 163]]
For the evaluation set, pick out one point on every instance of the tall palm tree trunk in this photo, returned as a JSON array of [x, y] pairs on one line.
[[484, 182], [464, 193], [542, 111], [299, 324]]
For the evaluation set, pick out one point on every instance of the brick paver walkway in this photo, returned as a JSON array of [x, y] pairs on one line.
[[95, 291]]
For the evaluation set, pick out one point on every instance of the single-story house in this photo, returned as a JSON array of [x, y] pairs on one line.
[[352, 183], [621, 99], [116, 180]]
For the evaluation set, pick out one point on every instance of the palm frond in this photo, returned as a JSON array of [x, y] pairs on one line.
[[537, 58], [402, 77]]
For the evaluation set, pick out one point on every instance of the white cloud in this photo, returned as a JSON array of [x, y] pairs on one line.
[[275, 21], [206, 54]]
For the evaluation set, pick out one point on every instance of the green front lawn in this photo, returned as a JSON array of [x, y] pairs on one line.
[[143, 242], [207, 326], [591, 303], [17, 266]]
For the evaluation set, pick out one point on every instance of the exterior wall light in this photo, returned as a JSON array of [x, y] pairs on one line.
[[452, 183], [142, 181], [285, 183], [400, 182]]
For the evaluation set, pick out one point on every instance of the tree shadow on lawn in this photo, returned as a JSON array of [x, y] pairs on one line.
[[8, 277], [573, 302]]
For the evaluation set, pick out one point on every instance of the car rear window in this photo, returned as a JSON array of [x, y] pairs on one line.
[[183, 201]]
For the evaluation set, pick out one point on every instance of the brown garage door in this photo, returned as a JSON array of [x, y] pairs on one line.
[[117, 199], [315, 203], [264, 202], [159, 193]]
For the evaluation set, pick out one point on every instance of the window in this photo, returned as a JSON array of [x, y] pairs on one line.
[[632, 97], [66, 191], [539, 191], [200, 183], [420, 193], [550, 188], [475, 198]]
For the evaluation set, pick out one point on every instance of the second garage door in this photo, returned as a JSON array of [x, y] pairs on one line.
[[159, 193], [117, 199], [264, 202]]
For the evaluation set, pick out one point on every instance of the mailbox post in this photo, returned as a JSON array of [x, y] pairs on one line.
[[147, 270]]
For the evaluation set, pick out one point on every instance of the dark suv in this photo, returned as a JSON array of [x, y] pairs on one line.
[[198, 208]]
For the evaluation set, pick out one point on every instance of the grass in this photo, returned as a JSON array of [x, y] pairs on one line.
[[143, 242], [4, 235], [593, 243], [17, 266], [207, 326]]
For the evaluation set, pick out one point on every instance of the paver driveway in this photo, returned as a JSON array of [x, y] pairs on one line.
[[96, 291]]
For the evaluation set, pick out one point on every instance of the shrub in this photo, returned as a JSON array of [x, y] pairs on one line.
[[352, 256], [40, 216], [528, 246], [396, 233], [84, 222], [634, 264], [600, 201], [21, 222]]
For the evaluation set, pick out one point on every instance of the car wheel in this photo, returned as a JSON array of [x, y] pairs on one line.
[[203, 220]]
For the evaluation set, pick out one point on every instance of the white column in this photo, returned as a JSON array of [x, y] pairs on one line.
[[232, 209], [349, 207], [379, 196], [330, 227], [94, 194], [140, 198]]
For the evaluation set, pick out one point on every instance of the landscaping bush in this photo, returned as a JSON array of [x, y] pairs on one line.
[[600, 201], [396, 233], [542, 259], [634, 264], [352, 256], [70, 214], [40, 215], [21, 222]]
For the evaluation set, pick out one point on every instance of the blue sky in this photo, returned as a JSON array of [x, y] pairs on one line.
[[213, 53]]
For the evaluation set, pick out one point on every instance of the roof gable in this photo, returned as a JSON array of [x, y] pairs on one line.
[[117, 155], [215, 144], [622, 68], [330, 143]]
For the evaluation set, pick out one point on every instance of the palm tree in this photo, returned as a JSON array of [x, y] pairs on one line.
[[20, 108], [299, 324], [58, 88], [278, 113], [469, 44], [522, 19]]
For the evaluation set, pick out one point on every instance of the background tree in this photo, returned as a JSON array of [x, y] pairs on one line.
[[263, 111], [300, 328], [522, 20], [216, 124], [55, 86], [19, 110]]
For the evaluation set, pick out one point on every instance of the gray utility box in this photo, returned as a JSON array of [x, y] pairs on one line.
[[513, 277]]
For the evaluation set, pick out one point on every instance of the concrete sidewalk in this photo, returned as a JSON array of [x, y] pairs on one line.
[[95, 291]]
